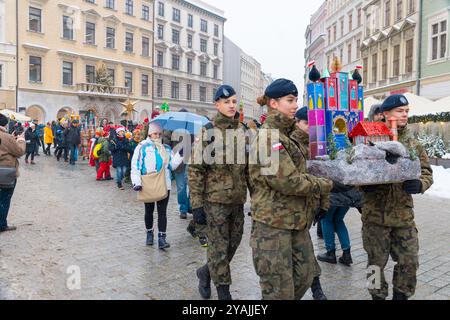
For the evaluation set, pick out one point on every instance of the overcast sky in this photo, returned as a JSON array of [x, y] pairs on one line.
[[273, 32]]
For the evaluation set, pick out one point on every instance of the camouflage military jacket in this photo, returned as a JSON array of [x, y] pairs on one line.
[[390, 205], [218, 183], [282, 200]]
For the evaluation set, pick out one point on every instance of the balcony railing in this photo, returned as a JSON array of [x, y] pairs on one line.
[[101, 90]]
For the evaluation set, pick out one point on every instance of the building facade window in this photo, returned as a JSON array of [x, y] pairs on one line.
[[110, 4], [216, 49], [399, 14], [329, 36], [160, 58], [409, 56], [189, 65], [175, 36], [374, 67], [67, 28], [203, 45], [175, 90], [110, 38], [161, 9], [35, 19], [189, 92], [129, 41], [160, 32], [365, 68], [129, 81], [359, 17], [204, 25], [411, 6], [175, 62], [216, 72], [145, 12], [145, 46], [190, 40], [129, 7], [349, 53], [203, 69], [350, 22], [90, 33], [396, 61], [203, 94], [387, 13], [216, 30], [144, 85], [342, 27], [358, 49], [159, 88], [438, 40], [341, 54], [335, 33], [67, 73], [35, 69], [90, 74], [112, 75], [190, 21], [176, 15], [384, 65]]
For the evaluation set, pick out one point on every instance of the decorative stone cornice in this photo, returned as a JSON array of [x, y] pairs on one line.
[[112, 19]]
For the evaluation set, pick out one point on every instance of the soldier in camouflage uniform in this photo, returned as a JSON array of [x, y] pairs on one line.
[[283, 207], [388, 216], [218, 193]]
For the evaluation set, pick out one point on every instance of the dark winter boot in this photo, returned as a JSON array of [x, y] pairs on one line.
[[346, 258], [191, 230], [204, 284], [329, 257], [149, 241], [223, 292], [162, 243], [316, 290], [377, 298], [399, 296]]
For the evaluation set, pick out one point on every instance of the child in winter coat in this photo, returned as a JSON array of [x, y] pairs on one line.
[[104, 158], [120, 149]]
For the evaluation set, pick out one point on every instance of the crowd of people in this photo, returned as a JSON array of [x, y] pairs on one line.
[[284, 204]]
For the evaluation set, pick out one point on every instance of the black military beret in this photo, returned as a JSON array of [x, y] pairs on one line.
[[224, 92], [394, 101], [3, 120], [302, 114], [281, 88]]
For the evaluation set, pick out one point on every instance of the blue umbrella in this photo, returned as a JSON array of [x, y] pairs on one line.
[[172, 121]]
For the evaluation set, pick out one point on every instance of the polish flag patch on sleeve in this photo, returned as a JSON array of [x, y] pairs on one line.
[[277, 146]]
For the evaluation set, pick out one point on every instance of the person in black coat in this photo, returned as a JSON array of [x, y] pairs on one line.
[[32, 141], [73, 139], [120, 149]]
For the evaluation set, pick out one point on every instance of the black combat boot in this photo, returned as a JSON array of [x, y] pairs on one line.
[[319, 230], [346, 258], [223, 292], [399, 296], [377, 298], [204, 284], [162, 243], [329, 256], [191, 229], [316, 289]]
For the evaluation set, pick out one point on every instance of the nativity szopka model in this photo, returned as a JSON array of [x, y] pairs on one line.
[[336, 114]]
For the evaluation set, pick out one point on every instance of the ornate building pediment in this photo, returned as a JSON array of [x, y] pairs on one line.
[[177, 49], [91, 13], [161, 45], [216, 60], [191, 53], [35, 49], [112, 19], [204, 57]]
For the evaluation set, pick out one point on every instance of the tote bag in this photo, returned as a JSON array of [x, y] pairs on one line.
[[153, 187]]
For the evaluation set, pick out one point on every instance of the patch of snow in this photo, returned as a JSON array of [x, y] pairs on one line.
[[446, 156], [441, 185]]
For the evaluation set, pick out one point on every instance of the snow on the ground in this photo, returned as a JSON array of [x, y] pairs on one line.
[[441, 185], [446, 156]]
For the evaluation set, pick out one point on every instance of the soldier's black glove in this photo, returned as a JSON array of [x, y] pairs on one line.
[[137, 188], [369, 189], [199, 216], [320, 214], [412, 186], [359, 210], [339, 187]]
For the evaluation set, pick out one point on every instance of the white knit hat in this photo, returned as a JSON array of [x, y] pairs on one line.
[[154, 128]]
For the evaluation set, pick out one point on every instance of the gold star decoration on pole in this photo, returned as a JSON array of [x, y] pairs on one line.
[[129, 108]]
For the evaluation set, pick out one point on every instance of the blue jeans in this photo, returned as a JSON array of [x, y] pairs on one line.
[[72, 149], [120, 173], [182, 183], [334, 222], [5, 201]]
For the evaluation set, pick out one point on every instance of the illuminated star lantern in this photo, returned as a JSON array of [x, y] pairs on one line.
[[129, 107]]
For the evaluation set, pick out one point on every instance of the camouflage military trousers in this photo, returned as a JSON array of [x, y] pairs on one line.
[[284, 261], [224, 230], [402, 245]]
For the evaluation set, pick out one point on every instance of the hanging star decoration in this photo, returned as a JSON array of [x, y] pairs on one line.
[[129, 107]]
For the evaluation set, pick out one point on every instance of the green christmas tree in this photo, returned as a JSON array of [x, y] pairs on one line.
[[103, 77]]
